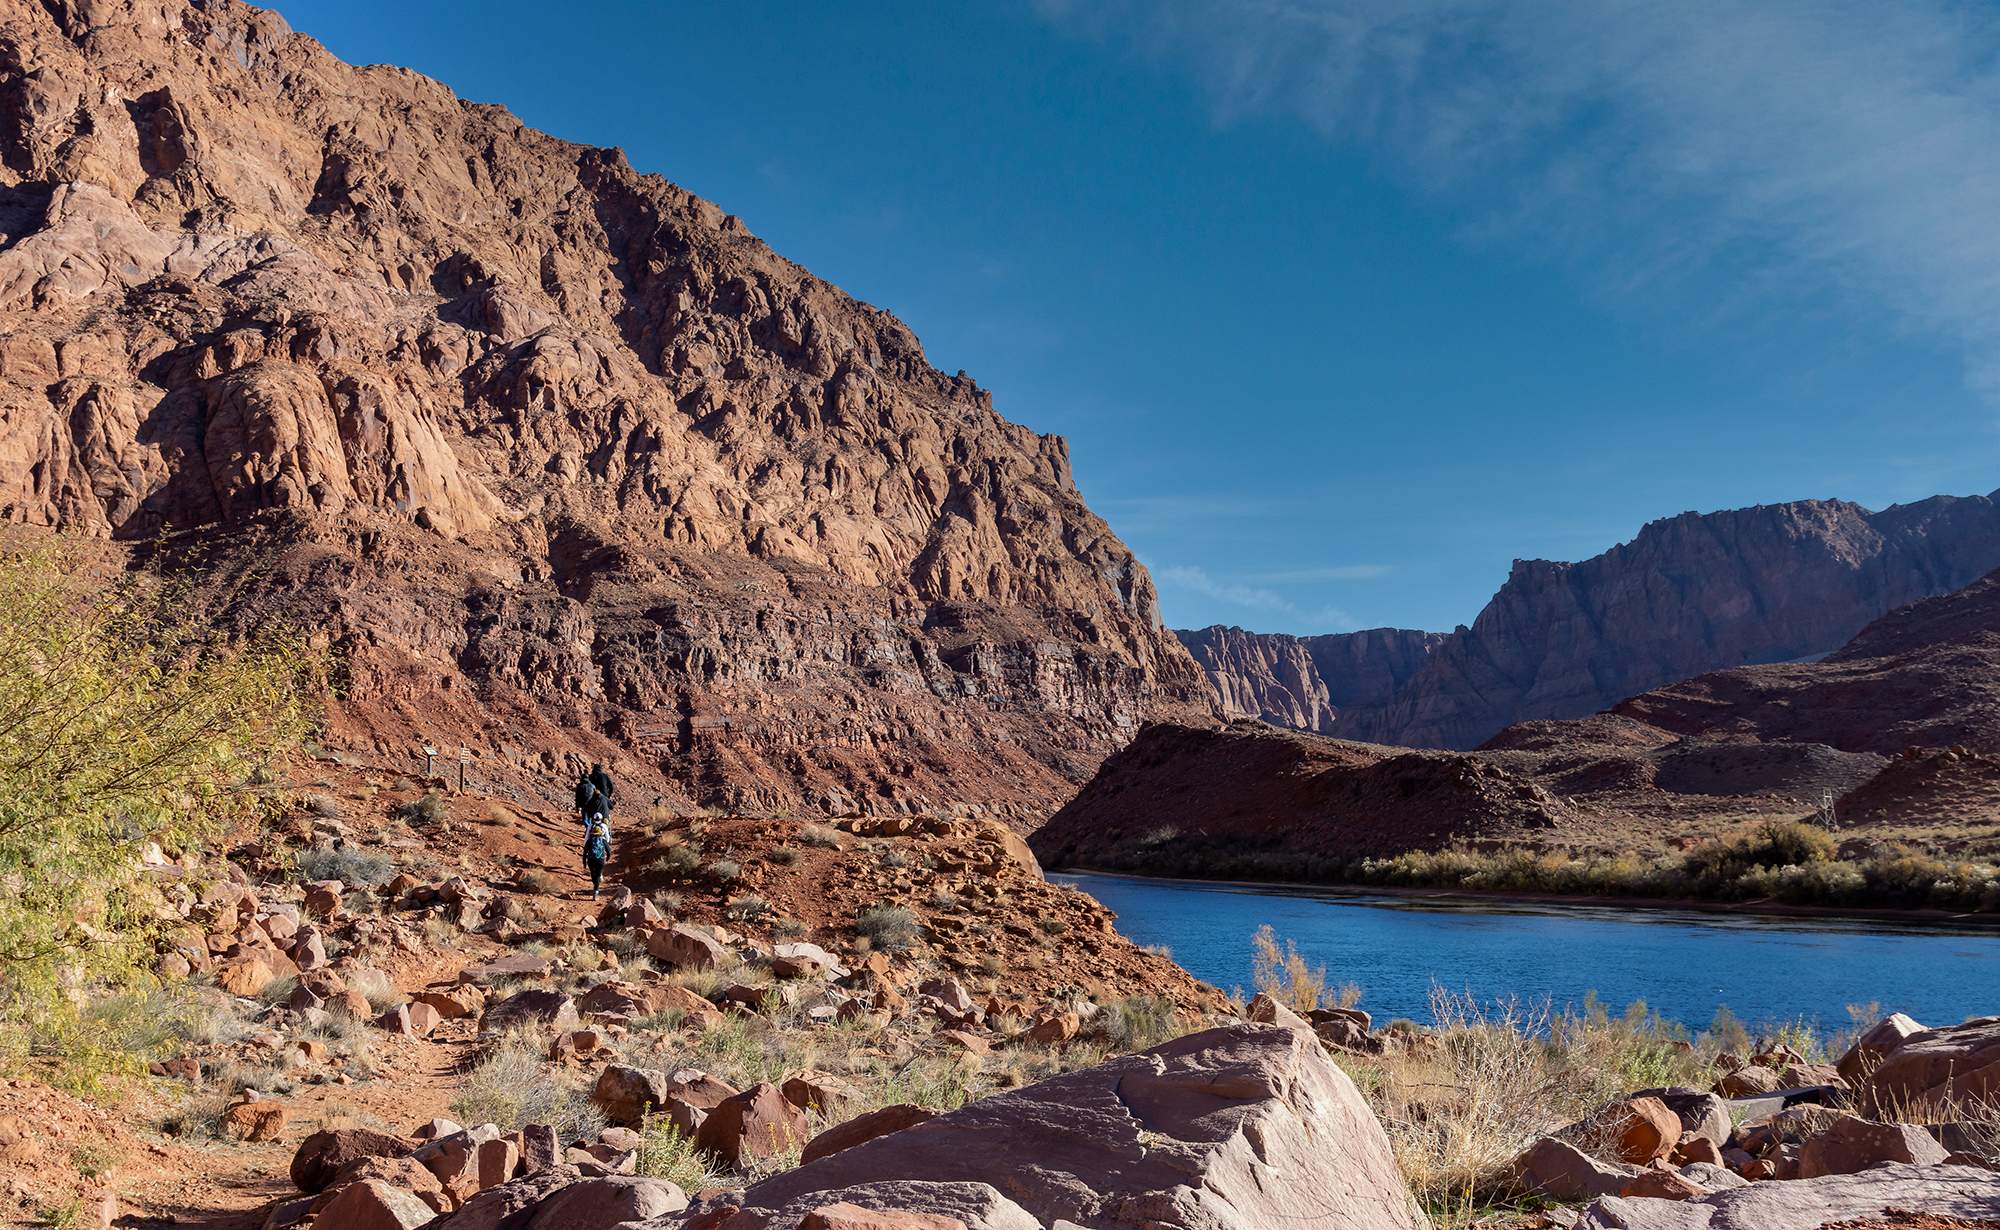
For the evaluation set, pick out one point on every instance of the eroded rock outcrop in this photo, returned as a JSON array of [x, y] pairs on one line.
[[560, 456]]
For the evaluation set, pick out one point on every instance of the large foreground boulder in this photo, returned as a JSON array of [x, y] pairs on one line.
[[1808, 1204], [1938, 1067], [1242, 1126]]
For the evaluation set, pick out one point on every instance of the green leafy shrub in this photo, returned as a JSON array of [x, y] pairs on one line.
[[678, 861], [666, 1154], [122, 724]]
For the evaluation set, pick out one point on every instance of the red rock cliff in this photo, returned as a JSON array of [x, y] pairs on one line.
[[563, 457]]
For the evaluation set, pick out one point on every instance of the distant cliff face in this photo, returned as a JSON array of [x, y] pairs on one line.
[[1900, 728], [565, 460], [1332, 684], [1689, 594]]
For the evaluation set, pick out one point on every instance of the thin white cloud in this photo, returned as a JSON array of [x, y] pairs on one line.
[[1251, 597], [1334, 572], [1254, 598], [1819, 150]]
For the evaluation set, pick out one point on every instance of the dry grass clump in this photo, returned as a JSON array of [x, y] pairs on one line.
[[888, 927], [350, 865], [537, 882], [1461, 1102], [512, 1085]]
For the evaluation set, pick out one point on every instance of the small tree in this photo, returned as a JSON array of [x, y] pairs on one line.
[[121, 725]]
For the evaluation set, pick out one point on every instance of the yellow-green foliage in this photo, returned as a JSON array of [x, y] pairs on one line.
[[1286, 976], [119, 726]]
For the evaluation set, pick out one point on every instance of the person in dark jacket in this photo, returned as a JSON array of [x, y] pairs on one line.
[[586, 798], [602, 780]]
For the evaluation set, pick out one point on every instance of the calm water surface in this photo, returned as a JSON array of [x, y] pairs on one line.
[[1683, 964]]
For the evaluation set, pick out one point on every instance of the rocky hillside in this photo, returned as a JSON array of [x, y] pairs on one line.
[[563, 459], [1900, 727], [1689, 594]]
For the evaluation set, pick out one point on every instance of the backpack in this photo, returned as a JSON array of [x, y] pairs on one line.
[[598, 846]]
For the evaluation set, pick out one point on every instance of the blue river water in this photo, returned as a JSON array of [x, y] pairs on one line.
[[1683, 964]]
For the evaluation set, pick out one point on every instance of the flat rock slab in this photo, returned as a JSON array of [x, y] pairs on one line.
[[1244, 1126], [1808, 1204]]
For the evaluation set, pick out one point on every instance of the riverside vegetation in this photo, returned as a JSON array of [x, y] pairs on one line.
[[1790, 861]]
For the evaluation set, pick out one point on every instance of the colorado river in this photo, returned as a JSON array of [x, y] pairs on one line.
[[1684, 964]]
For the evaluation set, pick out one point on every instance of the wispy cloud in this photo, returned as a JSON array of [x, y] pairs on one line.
[[1255, 598], [1822, 150], [1332, 572]]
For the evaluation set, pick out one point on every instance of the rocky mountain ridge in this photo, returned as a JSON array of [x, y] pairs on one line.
[[1899, 729], [1689, 594], [565, 462]]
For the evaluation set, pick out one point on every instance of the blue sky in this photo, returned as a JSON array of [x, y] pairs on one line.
[[1345, 304]]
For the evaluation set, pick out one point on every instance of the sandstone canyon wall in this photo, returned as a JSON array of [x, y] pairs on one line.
[[560, 458], [1689, 594]]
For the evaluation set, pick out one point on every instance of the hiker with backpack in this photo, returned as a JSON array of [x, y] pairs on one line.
[[596, 849], [588, 802]]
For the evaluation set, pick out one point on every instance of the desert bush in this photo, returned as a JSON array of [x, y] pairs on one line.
[[894, 858], [374, 986], [427, 810], [723, 871], [1283, 974], [1136, 1022], [747, 908], [121, 724], [819, 837], [782, 856], [666, 1154], [350, 865], [888, 927], [537, 881], [512, 1085], [678, 861], [1725, 1033], [1772, 844]]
